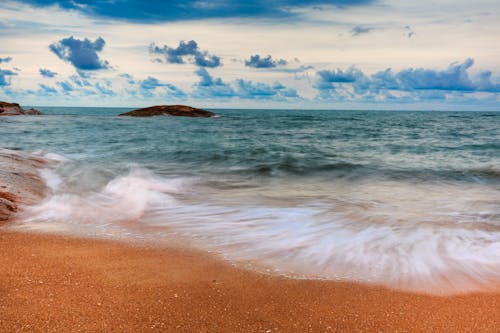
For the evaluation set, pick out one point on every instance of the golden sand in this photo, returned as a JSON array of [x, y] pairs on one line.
[[60, 284]]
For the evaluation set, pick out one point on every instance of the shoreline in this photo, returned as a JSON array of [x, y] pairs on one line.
[[69, 284], [65, 283]]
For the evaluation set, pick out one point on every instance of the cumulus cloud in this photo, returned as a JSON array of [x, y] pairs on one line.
[[5, 75], [82, 54], [256, 61], [79, 81], [6, 59], [47, 73], [455, 77], [105, 89], [151, 84], [258, 90], [426, 83], [65, 86], [185, 51], [359, 30], [130, 79], [45, 90], [210, 87]]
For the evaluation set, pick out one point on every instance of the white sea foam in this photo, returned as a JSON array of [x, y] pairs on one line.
[[51, 178], [437, 238], [124, 198], [51, 156]]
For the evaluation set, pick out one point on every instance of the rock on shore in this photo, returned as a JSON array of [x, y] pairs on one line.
[[14, 109], [19, 181], [169, 110]]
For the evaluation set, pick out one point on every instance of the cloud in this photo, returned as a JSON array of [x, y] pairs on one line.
[[256, 61], [150, 85], [329, 79], [79, 81], [209, 87], [5, 77], [130, 79], [82, 54], [359, 30], [45, 90], [258, 90], [295, 70], [420, 82], [455, 78], [47, 73], [186, 50], [105, 89], [65, 86], [6, 59], [176, 10]]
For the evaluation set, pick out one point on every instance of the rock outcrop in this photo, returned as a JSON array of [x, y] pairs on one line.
[[169, 110], [19, 181], [13, 109]]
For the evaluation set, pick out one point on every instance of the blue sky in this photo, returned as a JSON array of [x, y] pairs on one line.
[[364, 54]]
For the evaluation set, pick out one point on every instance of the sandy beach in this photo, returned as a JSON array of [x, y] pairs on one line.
[[51, 283], [60, 284]]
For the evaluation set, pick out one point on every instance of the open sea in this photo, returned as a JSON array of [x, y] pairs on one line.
[[409, 200]]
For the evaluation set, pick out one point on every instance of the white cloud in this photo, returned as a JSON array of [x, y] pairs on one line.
[[446, 32]]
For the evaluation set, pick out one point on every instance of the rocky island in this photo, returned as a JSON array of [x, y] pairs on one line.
[[169, 110], [14, 109]]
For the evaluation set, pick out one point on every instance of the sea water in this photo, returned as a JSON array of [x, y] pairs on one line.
[[409, 200]]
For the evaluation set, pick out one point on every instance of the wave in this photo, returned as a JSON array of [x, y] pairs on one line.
[[492, 172], [432, 238]]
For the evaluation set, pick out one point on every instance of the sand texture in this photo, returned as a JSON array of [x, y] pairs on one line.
[[58, 284]]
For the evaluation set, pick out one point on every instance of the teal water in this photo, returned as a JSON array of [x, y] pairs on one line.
[[406, 199]]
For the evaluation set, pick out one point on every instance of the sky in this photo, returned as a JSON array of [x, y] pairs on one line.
[[336, 54]]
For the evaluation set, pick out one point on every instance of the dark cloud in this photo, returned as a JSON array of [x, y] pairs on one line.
[[175, 10], [256, 61], [82, 54], [6, 59], [185, 50], [426, 83], [328, 79], [47, 73], [5, 75], [359, 30]]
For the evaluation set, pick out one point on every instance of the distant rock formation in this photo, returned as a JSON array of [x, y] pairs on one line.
[[169, 110], [13, 109]]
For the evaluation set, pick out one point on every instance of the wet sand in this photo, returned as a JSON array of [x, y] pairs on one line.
[[60, 284]]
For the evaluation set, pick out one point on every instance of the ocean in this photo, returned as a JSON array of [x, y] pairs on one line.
[[408, 200]]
